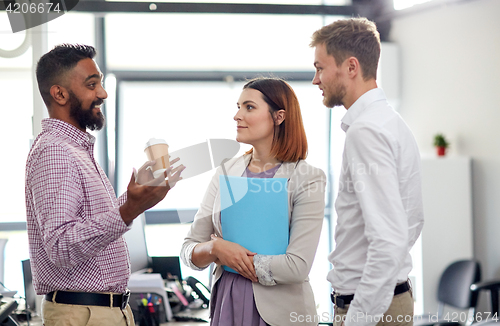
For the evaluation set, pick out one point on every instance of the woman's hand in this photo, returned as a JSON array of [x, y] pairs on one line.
[[234, 256]]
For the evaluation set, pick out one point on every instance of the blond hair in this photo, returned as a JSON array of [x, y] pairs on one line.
[[356, 37]]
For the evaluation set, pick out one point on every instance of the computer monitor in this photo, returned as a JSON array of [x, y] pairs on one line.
[[136, 243], [29, 290], [168, 267]]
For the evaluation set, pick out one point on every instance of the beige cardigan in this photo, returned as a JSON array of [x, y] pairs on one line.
[[292, 296]]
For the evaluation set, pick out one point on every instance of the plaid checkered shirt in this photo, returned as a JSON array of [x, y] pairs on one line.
[[74, 225]]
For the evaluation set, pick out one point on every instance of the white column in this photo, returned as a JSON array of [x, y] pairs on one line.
[[39, 46], [447, 233]]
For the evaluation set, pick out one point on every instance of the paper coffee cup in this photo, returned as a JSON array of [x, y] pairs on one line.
[[157, 150]]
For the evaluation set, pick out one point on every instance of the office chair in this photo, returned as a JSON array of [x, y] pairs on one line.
[[493, 286], [455, 290]]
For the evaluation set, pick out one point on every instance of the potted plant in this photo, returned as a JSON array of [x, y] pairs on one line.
[[441, 144]]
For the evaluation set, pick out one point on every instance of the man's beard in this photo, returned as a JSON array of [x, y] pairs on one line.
[[86, 118], [332, 99]]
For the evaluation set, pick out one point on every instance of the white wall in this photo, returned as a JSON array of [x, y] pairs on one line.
[[450, 64]]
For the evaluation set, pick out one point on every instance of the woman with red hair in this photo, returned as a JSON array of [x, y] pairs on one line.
[[269, 289]]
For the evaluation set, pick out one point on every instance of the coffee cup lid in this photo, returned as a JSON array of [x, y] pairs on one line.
[[155, 141]]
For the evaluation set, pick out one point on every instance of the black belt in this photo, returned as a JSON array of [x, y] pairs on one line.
[[342, 300], [89, 299]]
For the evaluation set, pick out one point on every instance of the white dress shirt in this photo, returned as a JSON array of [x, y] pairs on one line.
[[379, 207]]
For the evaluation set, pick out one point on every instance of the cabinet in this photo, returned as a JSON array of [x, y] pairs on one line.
[[447, 232]]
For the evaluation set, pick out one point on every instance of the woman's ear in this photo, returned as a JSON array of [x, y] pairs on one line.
[[279, 117], [59, 94]]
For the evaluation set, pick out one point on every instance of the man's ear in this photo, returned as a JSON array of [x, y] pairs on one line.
[[59, 94], [353, 67], [279, 117]]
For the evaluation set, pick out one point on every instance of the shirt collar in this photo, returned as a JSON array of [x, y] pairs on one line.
[[60, 127], [360, 106]]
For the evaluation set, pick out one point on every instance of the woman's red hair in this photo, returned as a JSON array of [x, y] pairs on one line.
[[289, 141]]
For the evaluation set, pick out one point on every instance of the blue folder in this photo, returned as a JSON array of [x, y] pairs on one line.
[[255, 214]]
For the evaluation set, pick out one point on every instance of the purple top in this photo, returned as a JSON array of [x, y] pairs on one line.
[[232, 297], [261, 175]]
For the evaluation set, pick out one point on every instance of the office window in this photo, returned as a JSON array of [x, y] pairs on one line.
[[188, 113], [10, 41], [183, 114], [403, 4], [215, 42], [294, 2], [16, 133], [82, 29]]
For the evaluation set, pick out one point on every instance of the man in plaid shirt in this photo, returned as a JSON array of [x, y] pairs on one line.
[[75, 223]]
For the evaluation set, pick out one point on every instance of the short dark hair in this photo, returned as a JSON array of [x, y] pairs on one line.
[[356, 37], [289, 141], [54, 64]]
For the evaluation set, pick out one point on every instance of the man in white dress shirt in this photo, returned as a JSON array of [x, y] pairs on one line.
[[379, 206]]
